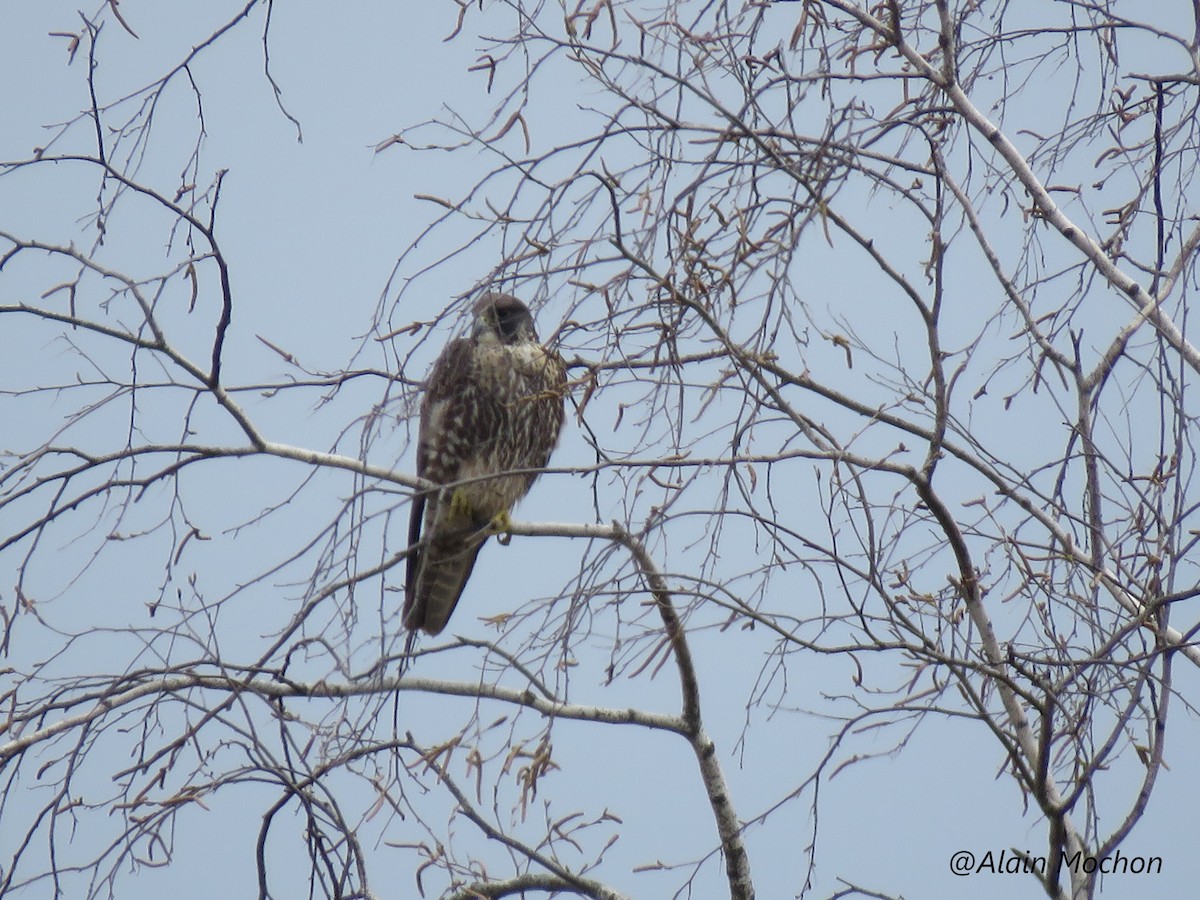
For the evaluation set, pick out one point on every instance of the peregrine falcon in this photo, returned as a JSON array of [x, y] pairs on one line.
[[490, 417]]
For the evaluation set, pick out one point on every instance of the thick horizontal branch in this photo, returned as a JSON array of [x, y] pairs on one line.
[[274, 689], [521, 884]]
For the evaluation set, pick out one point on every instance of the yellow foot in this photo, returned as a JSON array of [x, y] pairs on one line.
[[460, 507], [500, 526]]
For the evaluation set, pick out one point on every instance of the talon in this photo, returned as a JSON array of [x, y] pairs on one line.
[[500, 525]]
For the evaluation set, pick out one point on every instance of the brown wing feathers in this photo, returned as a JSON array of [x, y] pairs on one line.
[[493, 404]]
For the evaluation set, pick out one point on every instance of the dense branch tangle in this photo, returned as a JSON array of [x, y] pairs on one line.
[[881, 364], [719, 229]]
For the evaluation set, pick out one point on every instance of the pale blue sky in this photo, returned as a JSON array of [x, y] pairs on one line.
[[312, 231]]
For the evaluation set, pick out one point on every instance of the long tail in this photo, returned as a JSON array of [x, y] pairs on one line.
[[440, 576]]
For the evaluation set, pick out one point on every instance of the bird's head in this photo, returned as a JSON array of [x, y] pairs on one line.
[[503, 318]]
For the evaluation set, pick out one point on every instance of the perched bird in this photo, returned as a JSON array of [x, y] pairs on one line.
[[490, 417]]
